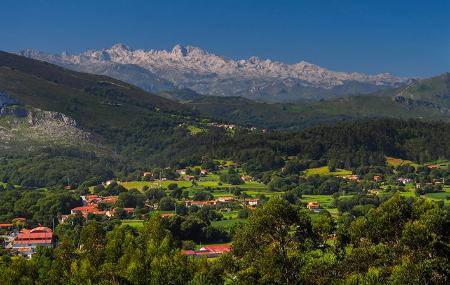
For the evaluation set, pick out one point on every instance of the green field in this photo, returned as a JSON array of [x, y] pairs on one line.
[[224, 162], [324, 200], [193, 130], [441, 196], [443, 164], [392, 161], [231, 220], [325, 171], [211, 180], [154, 184], [228, 223], [264, 192], [133, 223]]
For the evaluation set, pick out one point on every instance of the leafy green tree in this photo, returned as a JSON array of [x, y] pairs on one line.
[[131, 199], [167, 204], [268, 247]]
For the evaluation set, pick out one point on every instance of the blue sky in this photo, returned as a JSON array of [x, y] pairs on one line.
[[407, 38]]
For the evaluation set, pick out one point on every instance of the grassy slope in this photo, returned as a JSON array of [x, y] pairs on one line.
[[90, 99], [370, 107], [325, 171], [435, 90]]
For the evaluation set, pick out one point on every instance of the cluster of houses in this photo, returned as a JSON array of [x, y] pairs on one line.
[[433, 182], [253, 202], [223, 126], [352, 177], [233, 127], [185, 176], [379, 178], [26, 241], [405, 181], [91, 206]]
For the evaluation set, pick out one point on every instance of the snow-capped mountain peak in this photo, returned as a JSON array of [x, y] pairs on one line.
[[204, 72]]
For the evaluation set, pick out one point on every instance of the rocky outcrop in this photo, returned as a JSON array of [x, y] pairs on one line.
[[39, 127]]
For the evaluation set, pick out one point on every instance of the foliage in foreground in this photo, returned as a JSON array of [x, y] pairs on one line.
[[403, 241]]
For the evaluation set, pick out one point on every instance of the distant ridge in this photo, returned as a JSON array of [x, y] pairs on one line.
[[210, 74]]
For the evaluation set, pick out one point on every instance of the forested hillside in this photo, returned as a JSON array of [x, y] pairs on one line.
[[128, 130], [426, 99], [126, 125]]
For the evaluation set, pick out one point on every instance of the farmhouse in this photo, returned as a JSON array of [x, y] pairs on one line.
[[94, 199], [108, 182], [27, 241], [209, 251], [109, 199], [167, 215], [199, 203], [352, 177], [252, 202], [86, 210], [90, 199], [377, 178], [246, 178], [438, 181], [405, 180], [225, 199], [128, 211], [313, 206], [189, 178], [147, 174]]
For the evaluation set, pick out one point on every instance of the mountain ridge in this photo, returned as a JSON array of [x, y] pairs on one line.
[[211, 74]]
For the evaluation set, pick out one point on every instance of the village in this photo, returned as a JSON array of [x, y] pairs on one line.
[[224, 191]]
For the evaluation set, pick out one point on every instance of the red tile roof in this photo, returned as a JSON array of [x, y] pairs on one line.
[[5, 225], [110, 199], [37, 235], [89, 209], [41, 230], [209, 250], [217, 248]]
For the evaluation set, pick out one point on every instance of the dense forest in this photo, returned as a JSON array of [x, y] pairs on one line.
[[349, 145]]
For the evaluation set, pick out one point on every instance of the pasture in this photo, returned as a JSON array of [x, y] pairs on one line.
[[133, 223], [325, 171]]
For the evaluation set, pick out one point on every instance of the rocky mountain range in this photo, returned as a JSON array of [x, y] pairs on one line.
[[209, 74]]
